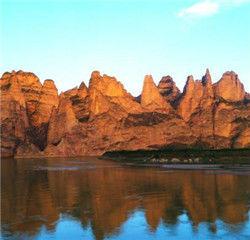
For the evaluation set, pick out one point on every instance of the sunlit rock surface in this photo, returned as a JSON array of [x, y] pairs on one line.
[[36, 121], [168, 89]]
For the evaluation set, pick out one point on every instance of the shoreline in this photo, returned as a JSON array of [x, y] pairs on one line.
[[199, 167], [184, 158]]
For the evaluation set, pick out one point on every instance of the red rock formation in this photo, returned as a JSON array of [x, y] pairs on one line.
[[14, 119], [232, 113], [197, 95], [196, 107], [230, 88], [216, 120], [168, 89], [105, 117], [242, 140], [151, 98], [106, 94], [48, 99], [31, 89], [63, 119], [191, 98], [26, 121]]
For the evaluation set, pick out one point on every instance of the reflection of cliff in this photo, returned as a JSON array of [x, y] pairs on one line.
[[207, 197], [104, 197], [26, 199]]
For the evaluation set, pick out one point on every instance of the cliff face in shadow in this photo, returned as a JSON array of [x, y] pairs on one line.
[[36, 121]]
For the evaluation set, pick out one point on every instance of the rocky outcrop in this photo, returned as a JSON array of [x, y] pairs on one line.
[[63, 119], [48, 98], [232, 124], [190, 98], [14, 119], [242, 140], [107, 95], [197, 95], [26, 107], [35, 121], [215, 121], [196, 107], [230, 88], [151, 98], [232, 112], [169, 90], [40, 117]]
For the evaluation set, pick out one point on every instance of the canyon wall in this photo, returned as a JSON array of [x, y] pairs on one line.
[[36, 121]]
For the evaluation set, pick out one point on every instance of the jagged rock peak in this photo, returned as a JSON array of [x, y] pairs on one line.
[[208, 89], [6, 75], [189, 83], [82, 86], [230, 73], [49, 83], [168, 89], [165, 80], [206, 79], [106, 85], [151, 97], [95, 78], [191, 97], [106, 93], [230, 88], [95, 74], [24, 78], [82, 90], [69, 93]]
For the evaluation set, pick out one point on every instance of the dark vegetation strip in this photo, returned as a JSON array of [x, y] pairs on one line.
[[181, 156]]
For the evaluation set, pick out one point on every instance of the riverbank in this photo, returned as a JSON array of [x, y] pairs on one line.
[[184, 159]]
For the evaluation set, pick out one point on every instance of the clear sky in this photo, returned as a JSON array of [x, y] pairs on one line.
[[67, 40]]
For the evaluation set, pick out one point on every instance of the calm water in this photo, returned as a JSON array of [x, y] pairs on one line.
[[95, 199]]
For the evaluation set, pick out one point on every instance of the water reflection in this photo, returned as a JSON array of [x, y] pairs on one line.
[[93, 199]]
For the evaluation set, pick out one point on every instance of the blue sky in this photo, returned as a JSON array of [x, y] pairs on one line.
[[67, 40]]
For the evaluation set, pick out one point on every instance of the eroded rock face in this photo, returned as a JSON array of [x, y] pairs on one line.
[[36, 122], [48, 98], [106, 94], [151, 98], [168, 89], [242, 140], [39, 119], [197, 95], [26, 105], [63, 119], [191, 98], [232, 123], [230, 88], [215, 121], [31, 88], [202, 115], [14, 119]]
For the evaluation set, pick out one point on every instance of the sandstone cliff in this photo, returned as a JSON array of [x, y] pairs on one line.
[[26, 106], [230, 88], [36, 121], [169, 90], [151, 98]]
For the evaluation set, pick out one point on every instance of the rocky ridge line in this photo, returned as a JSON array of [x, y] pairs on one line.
[[36, 121]]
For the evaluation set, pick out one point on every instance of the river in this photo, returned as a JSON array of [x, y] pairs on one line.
[[87, 198]]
